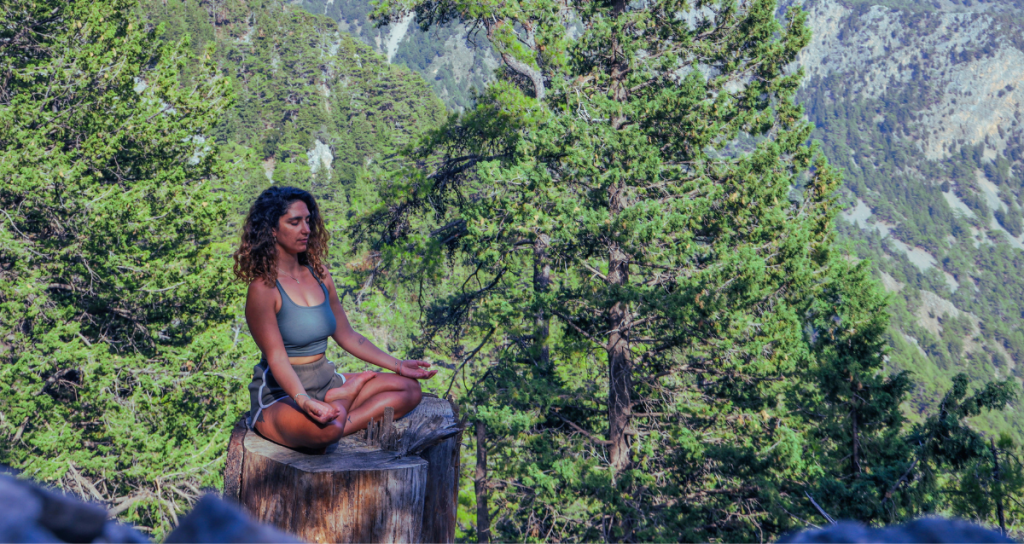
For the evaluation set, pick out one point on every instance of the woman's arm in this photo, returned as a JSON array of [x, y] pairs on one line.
[[358, 345], [261, 304]]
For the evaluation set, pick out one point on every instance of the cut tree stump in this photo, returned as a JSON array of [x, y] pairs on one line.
[[395, 482]]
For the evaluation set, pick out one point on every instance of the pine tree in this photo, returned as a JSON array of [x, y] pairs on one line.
[[618, 210], [853, 400], [109, 284], [956, 464]]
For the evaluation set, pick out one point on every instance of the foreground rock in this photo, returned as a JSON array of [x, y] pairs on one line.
[[31, 513], [215, 520], [921, 530]]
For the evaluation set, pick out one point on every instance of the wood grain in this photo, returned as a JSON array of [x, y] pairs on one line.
[[349, 495], [235, 458]]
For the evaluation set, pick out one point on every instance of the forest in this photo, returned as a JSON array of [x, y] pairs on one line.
[[623, 252]]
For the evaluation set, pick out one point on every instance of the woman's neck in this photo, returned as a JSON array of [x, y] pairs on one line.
[[287, 262]]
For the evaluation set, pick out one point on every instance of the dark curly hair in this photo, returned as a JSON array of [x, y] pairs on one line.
[[256, 257]]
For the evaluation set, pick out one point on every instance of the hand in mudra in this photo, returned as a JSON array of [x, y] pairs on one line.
[[321, 412], [414, 369]]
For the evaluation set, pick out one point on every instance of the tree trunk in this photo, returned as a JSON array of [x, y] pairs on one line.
[[483, 515], [999, 492], [620, 363], [541, 282], [355, 492], [856, 443], [620, 368]]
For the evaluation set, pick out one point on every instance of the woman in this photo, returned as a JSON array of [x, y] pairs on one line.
[[297, 398]]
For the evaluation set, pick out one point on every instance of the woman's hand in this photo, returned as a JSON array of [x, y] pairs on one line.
[[416, 370], [321, 412]]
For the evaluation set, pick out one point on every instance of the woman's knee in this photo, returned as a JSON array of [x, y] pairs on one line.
[[329, 434], [414, 391]]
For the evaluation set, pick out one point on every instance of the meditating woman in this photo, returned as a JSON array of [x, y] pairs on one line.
[[297, 397]]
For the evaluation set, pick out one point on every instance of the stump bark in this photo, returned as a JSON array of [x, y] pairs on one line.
[[357, 491]]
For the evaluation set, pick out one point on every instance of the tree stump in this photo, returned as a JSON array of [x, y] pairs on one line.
[[358, 491]]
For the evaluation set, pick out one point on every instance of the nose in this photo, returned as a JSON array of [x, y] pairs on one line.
[[305, 228]]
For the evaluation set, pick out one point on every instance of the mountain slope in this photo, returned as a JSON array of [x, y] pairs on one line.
[[454, 61], [920, 104]]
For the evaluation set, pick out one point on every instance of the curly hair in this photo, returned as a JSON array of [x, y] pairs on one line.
[[256, 257]]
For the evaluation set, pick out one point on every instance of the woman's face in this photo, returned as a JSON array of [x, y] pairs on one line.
[[293, 228]]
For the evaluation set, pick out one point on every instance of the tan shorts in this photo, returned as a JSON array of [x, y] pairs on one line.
[[317, 378]]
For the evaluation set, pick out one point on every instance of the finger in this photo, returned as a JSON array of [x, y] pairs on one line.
[[423, 364], [326, 414]]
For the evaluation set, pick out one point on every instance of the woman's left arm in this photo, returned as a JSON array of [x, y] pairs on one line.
[[357, 344]]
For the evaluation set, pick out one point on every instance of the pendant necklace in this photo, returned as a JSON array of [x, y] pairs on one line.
[[289, 275]]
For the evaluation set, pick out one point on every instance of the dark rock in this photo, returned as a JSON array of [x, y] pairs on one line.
[[32, 513], [117, 533], [21, 509], [922, 530], [70, 519], [215, 520], [950, 530]]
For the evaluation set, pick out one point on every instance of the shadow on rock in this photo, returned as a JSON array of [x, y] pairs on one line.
[[31, 513], [922, 530], [216, 520]]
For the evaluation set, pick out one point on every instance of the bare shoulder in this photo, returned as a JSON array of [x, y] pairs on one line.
[[260, 287], [327, 279], [260, 292]]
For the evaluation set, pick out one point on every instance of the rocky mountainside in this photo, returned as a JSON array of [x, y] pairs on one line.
[[920, 103], [453, 60]]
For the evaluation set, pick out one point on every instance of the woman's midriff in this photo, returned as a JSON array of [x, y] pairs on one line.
[[305, 360]]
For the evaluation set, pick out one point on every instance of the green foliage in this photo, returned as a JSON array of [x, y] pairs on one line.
[[123, 359], [856, 401], [613, 248], [111, 312], [605, 223]]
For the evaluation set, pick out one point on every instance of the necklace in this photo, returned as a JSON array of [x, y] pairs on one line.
[[289, 275]]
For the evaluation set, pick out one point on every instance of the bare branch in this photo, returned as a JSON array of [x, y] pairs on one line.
[[581, 431]]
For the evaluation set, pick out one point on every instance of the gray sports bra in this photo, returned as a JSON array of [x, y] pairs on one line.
[[305, 329]]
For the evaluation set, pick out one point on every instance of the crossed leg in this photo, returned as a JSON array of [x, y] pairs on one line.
[[386, 389], [285, 423]]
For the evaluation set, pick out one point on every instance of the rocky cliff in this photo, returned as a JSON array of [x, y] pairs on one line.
[[453, 60], [920, 104]]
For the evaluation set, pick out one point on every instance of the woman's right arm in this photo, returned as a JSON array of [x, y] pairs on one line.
[[261, 316]]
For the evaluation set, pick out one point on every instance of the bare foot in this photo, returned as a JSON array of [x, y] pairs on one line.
[[350, 389]]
